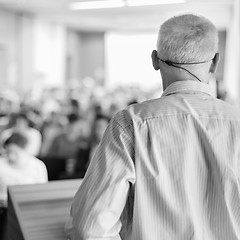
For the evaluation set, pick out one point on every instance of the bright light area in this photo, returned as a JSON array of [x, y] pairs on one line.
[[152, 2], [97, 4], [119, 3], [49, 53], [128, 60]]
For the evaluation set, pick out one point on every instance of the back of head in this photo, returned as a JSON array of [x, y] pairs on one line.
[[187, 38], [73, 118], [17, 139]]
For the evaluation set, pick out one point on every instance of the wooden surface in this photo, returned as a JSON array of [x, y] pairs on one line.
[[39, 211]]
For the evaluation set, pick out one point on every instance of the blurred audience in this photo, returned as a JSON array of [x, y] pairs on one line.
[[17, 167], [64, 125], [70, 139]]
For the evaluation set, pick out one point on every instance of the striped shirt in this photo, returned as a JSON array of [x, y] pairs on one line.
[[166, 169]]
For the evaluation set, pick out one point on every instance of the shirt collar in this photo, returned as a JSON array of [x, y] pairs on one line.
[[188, 85]]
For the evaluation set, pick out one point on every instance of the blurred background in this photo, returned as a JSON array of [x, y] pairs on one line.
[[67, 66]]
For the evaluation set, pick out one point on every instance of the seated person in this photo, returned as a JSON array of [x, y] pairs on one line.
[[21, 124], [71, 144], [99, 126], [51, 127], [68, 142], [17, 167]]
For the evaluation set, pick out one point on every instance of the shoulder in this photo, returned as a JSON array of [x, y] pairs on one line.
[[36, 162], [40, 168], [34, 132], [139, 112]]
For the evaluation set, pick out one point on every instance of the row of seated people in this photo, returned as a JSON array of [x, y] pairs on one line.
[[71, 149], [66, 149]]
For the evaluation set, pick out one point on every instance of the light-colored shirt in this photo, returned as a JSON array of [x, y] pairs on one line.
[[166, 169], [32, 171]]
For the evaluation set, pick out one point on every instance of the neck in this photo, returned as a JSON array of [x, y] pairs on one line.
[[172, 74], [168, 80]]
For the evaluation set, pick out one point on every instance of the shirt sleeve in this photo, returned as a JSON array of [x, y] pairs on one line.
[[100, 200], [40, 170], [44, 175]]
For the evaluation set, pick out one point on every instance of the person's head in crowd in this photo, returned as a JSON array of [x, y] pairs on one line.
[[186, 49], [74, 107], [72, 126], [73, 118], [15, 148], [113, 109], [20, 121], [34, 118], [76, 127], [99, 126], [98, 109]]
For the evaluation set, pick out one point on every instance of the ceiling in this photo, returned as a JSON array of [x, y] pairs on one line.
[[126, 18]]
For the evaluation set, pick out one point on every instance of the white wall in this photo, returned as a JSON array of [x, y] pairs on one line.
[[32, 52], [24, 44], [8, 48], [232, 60], [35, 53], [128, 59], [85, 55], [74, 57], [49, 51]]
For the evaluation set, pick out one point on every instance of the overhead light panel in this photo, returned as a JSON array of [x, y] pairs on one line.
[[119, 3], [97, 4], [133, 3]]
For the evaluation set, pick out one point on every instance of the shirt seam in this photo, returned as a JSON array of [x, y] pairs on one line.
[[172, 88], [124, 129], [185, 92], [171, 115], [187, 114]]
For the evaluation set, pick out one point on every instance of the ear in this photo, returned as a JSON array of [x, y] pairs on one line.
[[214, 64], [155, 60]]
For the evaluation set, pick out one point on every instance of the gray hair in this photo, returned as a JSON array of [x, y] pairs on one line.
[[187, 38]]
